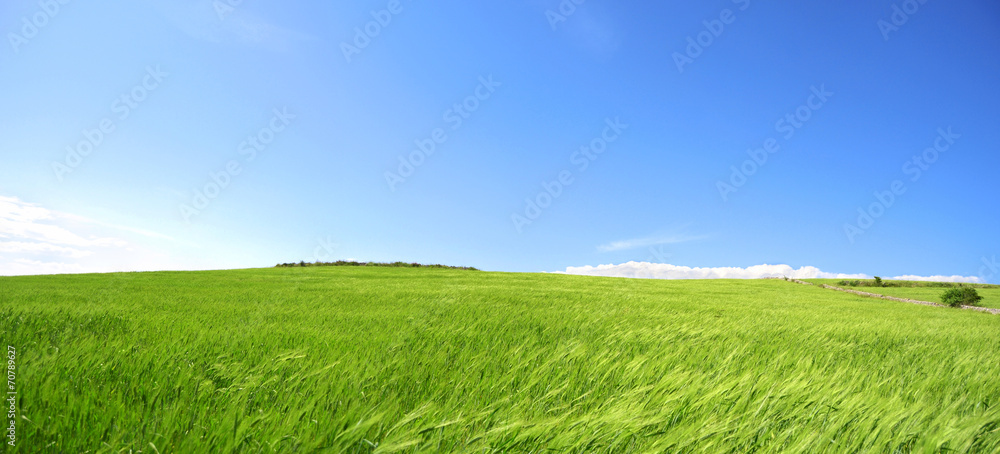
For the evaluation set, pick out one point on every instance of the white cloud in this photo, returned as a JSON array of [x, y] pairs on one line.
[[20, 267], [646, 270], [964, 279], [17, 247], [647, 242], [148, 233], [27, 221], [36, 240]]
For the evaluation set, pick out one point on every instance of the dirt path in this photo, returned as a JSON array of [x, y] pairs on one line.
[[893, 298]]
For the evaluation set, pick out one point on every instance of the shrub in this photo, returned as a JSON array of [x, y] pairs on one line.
[[878, 282], [965, 296]]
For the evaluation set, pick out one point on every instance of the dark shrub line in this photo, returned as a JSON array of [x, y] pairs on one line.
[[383, 264], [883, 283]]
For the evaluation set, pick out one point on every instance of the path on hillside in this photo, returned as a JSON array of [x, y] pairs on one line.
[[893, 298]]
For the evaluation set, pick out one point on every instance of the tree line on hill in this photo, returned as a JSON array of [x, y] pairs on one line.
[[382, 264], [879, 282]]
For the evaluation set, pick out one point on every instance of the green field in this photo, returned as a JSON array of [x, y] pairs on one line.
[[363, 359], [990, 294]]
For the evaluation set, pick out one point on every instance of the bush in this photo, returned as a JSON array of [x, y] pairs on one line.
[[965, 296], [878, 282]]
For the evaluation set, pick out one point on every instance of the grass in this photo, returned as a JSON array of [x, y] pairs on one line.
[[371, 359], [990, 293]]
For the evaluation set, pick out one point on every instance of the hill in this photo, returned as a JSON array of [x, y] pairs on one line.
[[923, 291], [383, 359]]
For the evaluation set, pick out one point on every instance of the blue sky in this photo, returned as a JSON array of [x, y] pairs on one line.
[[187, 134]]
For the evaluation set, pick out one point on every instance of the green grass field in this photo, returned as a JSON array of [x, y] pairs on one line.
[[991, 294], [361, 359]]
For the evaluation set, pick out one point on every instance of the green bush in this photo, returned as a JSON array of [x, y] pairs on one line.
[[964, 296]]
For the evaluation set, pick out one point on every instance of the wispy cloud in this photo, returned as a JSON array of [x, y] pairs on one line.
[[21, 267], [36, 240], [29, 222], [647, 242], [955, 278], [238, 25], [646, 270], [21, 247], [587, 25], [126, 228]]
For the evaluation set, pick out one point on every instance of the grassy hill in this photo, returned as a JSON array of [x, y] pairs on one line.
[[920, 291], [370, 359]]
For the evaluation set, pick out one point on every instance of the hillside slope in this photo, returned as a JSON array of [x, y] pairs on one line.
[[397, 359]]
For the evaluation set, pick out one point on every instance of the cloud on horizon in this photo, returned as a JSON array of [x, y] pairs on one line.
[[954, 278], [646, 270], [36, 240]]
